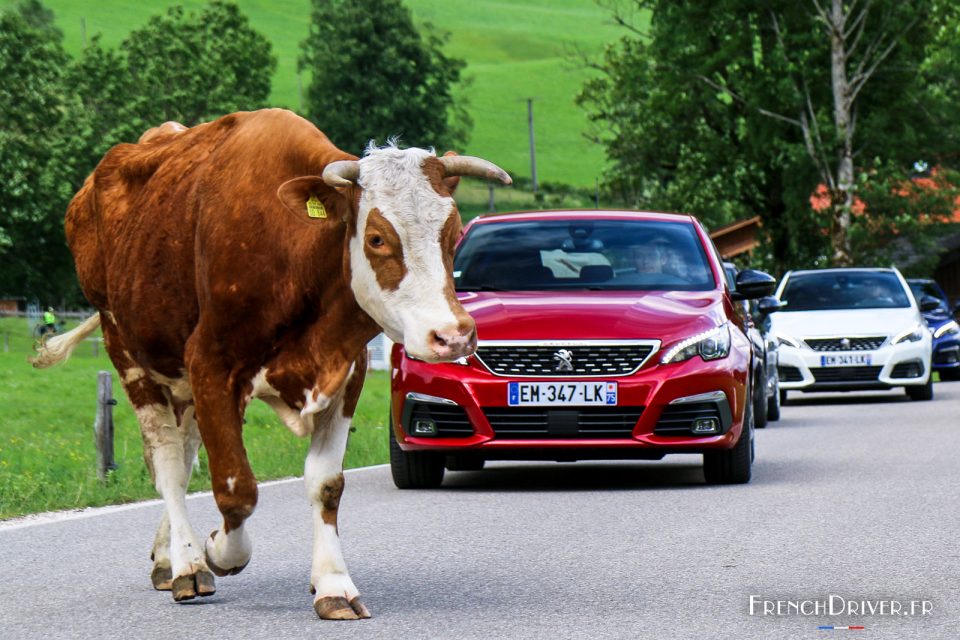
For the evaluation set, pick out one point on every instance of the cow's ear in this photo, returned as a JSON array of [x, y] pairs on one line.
[[452, 182], [310, 199]]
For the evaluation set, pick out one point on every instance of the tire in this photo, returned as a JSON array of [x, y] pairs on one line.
[[760, 401], [414, 469], [732, 466], [773, 403], [949, 374], [924, 392], [464, 462]]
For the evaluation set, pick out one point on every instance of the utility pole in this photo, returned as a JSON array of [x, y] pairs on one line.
[[533, 149]]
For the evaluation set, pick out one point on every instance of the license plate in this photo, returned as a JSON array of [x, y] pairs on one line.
[[845, 360], [567, 394]]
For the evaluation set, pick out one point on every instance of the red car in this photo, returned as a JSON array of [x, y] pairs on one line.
[[601, 335]]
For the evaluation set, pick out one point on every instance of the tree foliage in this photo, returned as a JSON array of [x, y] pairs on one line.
[[727, 109], [59, 116], [32, 251], [374, 76]]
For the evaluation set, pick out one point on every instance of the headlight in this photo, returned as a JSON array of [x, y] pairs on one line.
[[913, 334], [787, 340], [949, 329], [709, 345]]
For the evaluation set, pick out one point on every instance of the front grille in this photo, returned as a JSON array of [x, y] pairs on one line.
[[604, 360], [526, 423], [789, 374], [677, 419], [912, 369], [845, 344], [451, 420], [846, 374]]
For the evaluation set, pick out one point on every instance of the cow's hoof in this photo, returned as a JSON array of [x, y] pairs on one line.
[[338, 608], [189, 587], [217, 569], [162, 578]]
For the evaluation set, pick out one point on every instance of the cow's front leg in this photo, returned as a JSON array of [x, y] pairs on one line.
[[218, 413], [336, 597]]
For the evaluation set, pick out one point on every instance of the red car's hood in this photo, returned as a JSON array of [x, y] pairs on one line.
[[577, 315]]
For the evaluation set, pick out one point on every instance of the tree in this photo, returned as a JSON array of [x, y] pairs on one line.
[[743, 106], [32, 252], [193, 68], [374, 77]]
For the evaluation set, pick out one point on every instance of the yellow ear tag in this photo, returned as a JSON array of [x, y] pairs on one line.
[[315, 208]]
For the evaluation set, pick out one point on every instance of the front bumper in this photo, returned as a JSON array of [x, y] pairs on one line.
[[946, 354], [646, 422], [904, 364]]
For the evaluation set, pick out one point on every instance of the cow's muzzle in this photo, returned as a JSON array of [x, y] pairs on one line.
[[454, 341]]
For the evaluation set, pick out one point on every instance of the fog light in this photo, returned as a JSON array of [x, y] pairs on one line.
[[706, 426], [424, 427]]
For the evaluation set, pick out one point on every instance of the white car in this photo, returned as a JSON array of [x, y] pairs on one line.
[[845, 329]]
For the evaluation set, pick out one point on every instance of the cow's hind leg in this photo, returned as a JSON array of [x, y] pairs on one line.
[[177, 554], [336, 597], [164, 450], [162, 573]]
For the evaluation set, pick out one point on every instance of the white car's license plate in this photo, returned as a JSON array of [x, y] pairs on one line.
[[845, 360], [570, 394]]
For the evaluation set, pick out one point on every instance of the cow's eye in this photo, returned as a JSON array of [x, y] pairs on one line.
[[375, 241]]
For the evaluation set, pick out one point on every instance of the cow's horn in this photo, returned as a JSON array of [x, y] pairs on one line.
[[472, 166], [341, 173]]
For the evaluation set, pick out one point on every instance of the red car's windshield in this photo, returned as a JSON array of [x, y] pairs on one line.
[[640, 255]]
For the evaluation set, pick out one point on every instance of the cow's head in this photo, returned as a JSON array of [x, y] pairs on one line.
[[401, 247]]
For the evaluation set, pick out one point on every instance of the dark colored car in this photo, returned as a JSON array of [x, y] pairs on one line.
[[602, 335], [943, 326], [766, 388]]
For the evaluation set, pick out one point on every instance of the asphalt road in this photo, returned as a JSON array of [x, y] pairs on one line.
[[854, 498]]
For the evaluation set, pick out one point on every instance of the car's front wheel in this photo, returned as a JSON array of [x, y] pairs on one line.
[[921, 392], [414, 469], [773, 403], [732, 466], [950, 374], [760, 400]]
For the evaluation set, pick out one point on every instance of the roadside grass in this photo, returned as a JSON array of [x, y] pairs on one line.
[[47, 453], [514, 51]]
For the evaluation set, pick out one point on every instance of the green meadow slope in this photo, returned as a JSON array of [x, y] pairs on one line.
[[514, 49]]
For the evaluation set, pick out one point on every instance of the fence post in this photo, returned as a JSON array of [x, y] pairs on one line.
[[103, 427]]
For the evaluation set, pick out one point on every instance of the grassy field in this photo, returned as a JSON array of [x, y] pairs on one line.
[[47, 455], [514, 50]]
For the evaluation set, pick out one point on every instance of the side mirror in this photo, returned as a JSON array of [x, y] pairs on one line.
[[753, 284], [929, 303], [768, 304]]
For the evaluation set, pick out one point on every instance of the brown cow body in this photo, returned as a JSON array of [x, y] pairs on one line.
[[215, 285]]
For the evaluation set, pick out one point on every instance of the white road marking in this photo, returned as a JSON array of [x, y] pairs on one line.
[[50, 517]]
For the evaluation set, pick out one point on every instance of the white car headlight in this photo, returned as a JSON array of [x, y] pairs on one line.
[[913, 334], [787, 340], [948, 329], [709, 345]]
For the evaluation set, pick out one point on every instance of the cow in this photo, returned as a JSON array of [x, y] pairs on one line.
[[249, 257]]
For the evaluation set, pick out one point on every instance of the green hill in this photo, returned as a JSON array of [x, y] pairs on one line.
[[514, 50]]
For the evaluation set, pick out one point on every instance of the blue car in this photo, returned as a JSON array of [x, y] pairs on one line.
[[946, 332]]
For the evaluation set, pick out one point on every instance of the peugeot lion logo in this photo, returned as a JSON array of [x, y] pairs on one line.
[[564, 360], [845, 343]]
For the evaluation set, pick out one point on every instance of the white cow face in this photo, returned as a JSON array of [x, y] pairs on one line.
[[400, 248]]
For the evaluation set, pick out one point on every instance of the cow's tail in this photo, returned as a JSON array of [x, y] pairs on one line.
[[58, 348]]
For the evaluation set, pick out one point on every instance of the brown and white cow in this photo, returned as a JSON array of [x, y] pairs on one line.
[[250, 258]]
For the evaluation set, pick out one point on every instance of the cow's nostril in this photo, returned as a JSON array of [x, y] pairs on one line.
[[439, 340]]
